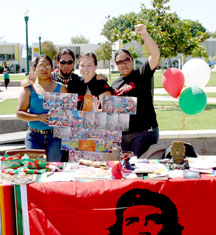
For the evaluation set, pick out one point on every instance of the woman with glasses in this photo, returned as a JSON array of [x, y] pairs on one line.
[[143, 127], [30, 108], [64, 74]]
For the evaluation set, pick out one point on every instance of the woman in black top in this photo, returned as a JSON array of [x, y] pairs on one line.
[[98, 88], [143, 127]]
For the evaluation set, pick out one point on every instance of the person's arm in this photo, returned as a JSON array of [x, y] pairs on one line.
[[150, 44], [100, 76], [22, 108]]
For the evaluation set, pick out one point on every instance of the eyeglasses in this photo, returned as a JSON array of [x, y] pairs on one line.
[[66, 62], [126, 60], [44, 66]]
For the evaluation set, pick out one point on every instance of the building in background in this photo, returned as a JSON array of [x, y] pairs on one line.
[[210, 45], [15, 54], [12, 54]]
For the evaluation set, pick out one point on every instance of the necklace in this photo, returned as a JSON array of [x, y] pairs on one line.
[[64, 80]]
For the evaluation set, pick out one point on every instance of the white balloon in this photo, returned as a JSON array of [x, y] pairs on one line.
[[196, 73]]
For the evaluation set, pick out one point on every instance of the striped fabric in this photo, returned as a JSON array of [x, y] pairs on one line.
[[7, 210], [21, 210]]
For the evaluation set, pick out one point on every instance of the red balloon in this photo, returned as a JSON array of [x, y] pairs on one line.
[[173, 81]]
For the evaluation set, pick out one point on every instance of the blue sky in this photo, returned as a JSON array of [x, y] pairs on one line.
[[59, 20]]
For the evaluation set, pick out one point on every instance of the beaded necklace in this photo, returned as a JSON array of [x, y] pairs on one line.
[[64, 80]]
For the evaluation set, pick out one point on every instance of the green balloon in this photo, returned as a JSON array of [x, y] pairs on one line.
[[192, 100]]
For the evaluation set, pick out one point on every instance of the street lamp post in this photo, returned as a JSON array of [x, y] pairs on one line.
[[26, 18], [39, 38]]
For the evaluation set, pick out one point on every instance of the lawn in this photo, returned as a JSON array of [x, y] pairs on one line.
[[169, 115], [14, 77], [209, 94], [8, 107]]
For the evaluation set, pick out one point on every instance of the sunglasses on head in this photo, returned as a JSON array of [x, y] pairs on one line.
[[66, 62], [126, 60]]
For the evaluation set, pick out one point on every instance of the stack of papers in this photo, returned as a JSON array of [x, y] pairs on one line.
[[203, 166]]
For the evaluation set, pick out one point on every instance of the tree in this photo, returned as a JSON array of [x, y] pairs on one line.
[[195, 27], [200, 51], [48, 48], [104, 52], [211, 35], [79, 39], [171, 34], [135, 54], [120, 23]]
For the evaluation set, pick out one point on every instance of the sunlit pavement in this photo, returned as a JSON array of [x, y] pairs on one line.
[[10, 93]]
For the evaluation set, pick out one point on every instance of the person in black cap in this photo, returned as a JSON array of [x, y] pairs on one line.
[[141, 211]]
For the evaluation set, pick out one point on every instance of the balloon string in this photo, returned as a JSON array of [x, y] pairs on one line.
[[183, 123]]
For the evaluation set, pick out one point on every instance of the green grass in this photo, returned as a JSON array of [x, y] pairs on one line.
[[212, 81], [169, 115], [209, 94], [8, 107], [14, 77]]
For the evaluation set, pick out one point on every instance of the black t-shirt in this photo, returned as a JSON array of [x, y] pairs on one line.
[[97, 87], [94, 86], [139, 84]]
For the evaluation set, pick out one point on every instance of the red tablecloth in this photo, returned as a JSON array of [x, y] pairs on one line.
[[90, 207]]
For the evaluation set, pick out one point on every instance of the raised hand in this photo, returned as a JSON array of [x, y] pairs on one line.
[[140, 29], [32, 76]]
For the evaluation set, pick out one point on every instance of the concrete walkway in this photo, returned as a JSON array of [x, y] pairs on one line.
[[10, 93]]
